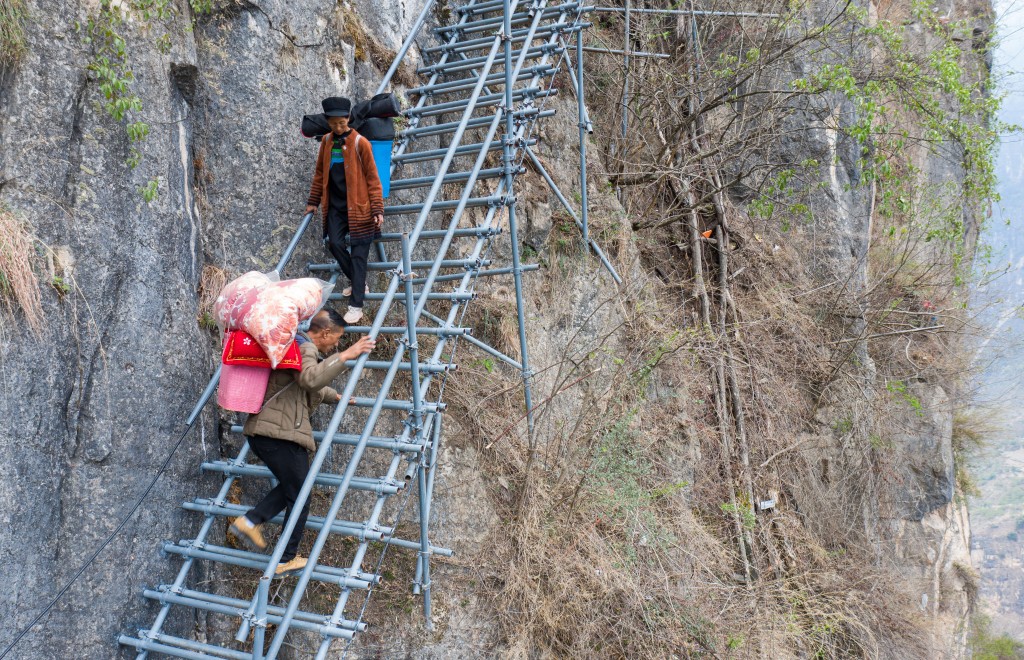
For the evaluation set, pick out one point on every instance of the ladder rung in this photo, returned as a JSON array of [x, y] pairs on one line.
[[482, 101], [456, 177], [518, 36], [481, 273], [450, 296], [276, 610], [348, 439], [546, 32], [449, 68], [475, 8], [481, 7], [472, 202], [399, 404], [478, 7], [479, 232], [492, 80], [391, 265], [518, 18], [400, 330], [378, 486], [405, 366], [436, 154], [451, 127], [181, 648], [342, 528], [254, 560], [165, 597]]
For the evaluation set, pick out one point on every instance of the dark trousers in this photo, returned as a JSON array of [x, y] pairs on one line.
[[289, 462], [351, 259]]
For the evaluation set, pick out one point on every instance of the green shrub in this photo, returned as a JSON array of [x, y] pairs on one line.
[[985, 645]]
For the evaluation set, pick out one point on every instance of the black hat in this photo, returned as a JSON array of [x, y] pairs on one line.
[[337, 106]]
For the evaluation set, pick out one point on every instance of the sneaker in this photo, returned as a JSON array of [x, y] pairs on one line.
[[291, 567], [353, 315], [347, 291], [245, 531]]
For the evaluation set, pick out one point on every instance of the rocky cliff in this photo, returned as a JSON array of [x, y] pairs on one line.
[[610, 532]]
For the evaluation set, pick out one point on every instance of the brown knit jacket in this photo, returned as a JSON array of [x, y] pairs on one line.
[[365, 195], [292, 395]]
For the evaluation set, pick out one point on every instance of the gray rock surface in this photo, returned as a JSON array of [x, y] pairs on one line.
[[93, 405]]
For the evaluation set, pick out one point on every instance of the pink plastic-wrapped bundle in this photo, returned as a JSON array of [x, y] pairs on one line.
[[273, 318], [237, 297]]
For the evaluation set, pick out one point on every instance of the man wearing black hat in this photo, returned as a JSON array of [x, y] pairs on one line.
[[347, 189]]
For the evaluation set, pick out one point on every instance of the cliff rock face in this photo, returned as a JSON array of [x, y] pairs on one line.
[[92, 406]]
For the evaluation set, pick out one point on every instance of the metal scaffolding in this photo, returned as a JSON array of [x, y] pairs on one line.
[[478, 84]]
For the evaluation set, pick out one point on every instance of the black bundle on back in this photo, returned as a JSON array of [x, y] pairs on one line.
[[371, 119]]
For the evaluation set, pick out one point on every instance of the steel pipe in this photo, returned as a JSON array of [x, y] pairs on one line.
[[475, 202], [195, 603], [474, 62], [687, 12], [458, 177], [565, 204], [434, 154], [263, 472], [468, 83], [476, 122], [479, 273], [375, 442], [259, 564], [311, 617], [442, 129], [518, 36]]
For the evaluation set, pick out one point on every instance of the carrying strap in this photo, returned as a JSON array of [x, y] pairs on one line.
[[276, 394]]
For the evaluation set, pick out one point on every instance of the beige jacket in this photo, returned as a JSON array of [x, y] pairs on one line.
[[292, 395]]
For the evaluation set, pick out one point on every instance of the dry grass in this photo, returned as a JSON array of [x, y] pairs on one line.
[[12, 33], [19, 284], [211, 282], [368, 48], [607, 548]]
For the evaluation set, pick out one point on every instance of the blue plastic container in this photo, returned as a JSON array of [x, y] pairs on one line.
[[382, 157]]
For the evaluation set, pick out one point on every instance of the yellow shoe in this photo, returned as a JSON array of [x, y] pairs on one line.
[[247, 532], [292, 567]]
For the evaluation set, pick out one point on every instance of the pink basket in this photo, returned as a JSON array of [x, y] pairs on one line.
[[242, 388]]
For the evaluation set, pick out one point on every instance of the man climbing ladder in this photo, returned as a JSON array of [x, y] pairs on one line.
[[347, 189]]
